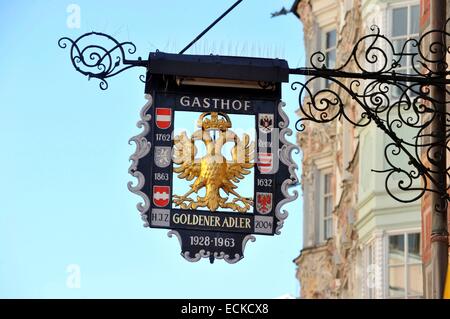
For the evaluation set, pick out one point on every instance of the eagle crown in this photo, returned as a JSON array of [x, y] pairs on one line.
[[214, 123]]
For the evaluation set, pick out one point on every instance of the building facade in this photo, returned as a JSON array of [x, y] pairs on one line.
[[358, 241]]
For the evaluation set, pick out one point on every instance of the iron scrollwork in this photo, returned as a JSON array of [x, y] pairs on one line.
[[100, 62], [391, 83]]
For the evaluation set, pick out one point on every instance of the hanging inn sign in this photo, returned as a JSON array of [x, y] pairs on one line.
[[212, 162]]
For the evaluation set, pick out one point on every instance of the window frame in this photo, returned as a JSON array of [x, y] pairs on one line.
[[322, 198], [407, 69], [405, 263], [325, 50]]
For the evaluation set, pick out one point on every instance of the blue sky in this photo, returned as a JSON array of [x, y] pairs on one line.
[[64, 159]]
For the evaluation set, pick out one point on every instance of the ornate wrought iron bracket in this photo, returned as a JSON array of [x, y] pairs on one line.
[[392, 86], [103, 60]]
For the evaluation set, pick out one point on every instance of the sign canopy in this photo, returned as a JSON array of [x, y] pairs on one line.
[[213, 163]]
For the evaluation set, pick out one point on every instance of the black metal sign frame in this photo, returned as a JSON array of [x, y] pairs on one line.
[[218, 234]]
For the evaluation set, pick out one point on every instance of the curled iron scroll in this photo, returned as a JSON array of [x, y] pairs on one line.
[[98, 55], [395, 99]]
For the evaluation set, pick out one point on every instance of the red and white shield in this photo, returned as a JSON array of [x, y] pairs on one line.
[[263, 202], [163, 117], [161, 195], [265, 162]]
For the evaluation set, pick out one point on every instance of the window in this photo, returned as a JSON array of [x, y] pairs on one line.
[[405, 26], [405, 266], [326, 207], [329, 49]]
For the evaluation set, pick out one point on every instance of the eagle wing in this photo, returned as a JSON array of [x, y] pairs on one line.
[[184, 155], [242, 155]]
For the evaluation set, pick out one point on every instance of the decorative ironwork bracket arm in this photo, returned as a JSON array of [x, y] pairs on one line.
[[397, 102], [103, 60], [388, 76]]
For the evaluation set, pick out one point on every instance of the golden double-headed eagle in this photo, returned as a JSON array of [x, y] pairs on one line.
[[213, 171]]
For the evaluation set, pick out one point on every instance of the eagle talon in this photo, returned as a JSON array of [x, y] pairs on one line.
[[182, 198], [247, 201], [180, 201]]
